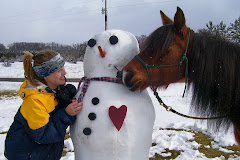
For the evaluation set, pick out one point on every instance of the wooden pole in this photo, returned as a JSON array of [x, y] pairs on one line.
[[105, 14]]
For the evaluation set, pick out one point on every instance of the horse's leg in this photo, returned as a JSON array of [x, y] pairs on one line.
[[237, 133]]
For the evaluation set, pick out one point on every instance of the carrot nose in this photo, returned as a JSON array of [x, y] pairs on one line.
[[101, 51]]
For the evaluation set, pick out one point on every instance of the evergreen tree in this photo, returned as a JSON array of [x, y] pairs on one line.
[[2, 47], [231, 33], [234, 31]]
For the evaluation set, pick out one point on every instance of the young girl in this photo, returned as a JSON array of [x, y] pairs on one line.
[[40, 124]]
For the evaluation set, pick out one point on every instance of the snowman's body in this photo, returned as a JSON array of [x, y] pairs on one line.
[[94, 134]]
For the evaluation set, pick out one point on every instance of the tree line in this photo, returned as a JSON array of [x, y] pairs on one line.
[[71, 53], [75, 52]]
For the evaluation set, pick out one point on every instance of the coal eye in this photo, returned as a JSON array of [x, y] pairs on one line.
[[91, 42], [113, 40]]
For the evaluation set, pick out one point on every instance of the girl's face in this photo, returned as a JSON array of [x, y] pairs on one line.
[[55, 79]]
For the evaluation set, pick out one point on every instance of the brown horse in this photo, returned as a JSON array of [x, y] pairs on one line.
[[211, 65]]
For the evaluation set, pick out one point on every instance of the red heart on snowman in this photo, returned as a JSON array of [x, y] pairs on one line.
[[117, 115]]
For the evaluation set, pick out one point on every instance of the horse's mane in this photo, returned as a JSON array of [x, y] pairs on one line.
[[214, 76]]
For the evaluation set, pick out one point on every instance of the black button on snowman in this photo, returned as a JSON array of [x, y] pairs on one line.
[[92, 116], [95, 101]]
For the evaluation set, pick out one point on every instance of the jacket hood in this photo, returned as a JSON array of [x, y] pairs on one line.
[[26, 89]]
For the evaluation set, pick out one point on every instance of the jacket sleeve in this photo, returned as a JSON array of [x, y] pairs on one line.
[[55, 129], [42, 127]]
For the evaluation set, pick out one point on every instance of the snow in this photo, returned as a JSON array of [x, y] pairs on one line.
[[172, 96]]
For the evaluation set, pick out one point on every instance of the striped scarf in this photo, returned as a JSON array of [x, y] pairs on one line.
[[86, 82]]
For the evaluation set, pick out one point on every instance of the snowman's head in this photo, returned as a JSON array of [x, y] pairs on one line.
[[108, 52]]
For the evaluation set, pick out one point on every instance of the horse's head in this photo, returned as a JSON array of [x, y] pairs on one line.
[[165, 46]]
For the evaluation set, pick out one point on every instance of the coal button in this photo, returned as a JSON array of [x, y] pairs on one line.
[[92, 116], [95, 101], [87, 131]]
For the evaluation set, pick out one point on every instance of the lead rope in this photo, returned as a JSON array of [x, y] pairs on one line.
[[170, 109]]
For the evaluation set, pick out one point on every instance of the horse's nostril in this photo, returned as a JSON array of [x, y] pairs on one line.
[[128, 76]]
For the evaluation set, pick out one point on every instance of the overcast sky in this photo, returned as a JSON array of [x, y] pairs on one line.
[[76, 21]]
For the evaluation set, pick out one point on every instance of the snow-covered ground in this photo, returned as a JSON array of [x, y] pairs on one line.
[[173, 140]]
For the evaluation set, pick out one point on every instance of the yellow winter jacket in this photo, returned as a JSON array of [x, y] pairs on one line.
[[39, 126], [36, 106]]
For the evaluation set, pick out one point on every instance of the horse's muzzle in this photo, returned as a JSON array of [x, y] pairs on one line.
[[126, 77]]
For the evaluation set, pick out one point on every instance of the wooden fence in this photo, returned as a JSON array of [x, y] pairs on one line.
[[22, 79]]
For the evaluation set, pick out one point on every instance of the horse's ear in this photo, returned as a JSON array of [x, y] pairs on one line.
[[165, 19], [179, 19]]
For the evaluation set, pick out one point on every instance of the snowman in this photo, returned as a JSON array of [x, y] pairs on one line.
[[115, 123]]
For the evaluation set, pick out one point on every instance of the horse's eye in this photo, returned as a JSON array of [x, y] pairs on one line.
[[91, 42], [113, 40]]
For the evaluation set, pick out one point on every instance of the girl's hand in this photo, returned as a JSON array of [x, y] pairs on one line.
[[74, 108]]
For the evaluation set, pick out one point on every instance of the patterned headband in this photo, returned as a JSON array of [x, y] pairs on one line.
[[50, 66]]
